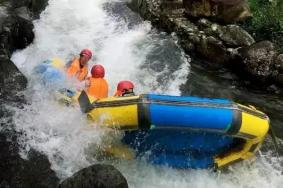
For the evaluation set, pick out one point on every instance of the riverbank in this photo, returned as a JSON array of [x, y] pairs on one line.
[[221, 42]]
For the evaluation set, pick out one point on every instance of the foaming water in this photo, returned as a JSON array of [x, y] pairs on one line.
[[128, 48], [246, 174]]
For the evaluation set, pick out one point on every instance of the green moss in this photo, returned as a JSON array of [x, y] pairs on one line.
[[267, 21]]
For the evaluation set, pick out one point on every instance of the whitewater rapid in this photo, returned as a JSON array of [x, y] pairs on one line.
[[128, 48]]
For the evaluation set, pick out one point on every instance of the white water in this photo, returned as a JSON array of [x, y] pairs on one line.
[[62, 133]]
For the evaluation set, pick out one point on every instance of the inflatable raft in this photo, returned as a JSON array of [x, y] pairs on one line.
[[182, 132]]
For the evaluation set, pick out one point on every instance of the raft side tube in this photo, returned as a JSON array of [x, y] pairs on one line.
[[186, 114], [158, 112]]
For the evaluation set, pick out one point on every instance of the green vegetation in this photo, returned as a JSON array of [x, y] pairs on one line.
[[267, 21]]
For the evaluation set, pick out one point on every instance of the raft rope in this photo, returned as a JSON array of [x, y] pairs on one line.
[[232, 106]]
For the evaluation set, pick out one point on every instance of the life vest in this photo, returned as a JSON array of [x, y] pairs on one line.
[[98, 87], [74, 69]]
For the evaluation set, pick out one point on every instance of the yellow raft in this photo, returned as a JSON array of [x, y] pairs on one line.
[[182, 132]]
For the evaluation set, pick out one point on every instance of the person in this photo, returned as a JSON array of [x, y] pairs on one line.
[[125, 88], [50, 72], [78, 67], [96, 85]]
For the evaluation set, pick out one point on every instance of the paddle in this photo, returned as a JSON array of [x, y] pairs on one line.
[[84, 102]]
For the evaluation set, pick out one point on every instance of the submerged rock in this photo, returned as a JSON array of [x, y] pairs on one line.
[[98, 176]]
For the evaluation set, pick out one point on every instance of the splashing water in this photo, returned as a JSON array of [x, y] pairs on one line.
[[128, 48]]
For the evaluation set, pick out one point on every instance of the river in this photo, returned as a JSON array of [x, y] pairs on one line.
[[128, 48]]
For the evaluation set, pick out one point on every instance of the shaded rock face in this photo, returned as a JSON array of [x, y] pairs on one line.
[[17, 172], [11, 81], [98, 176], [34, 6], [228, 11], [16, 32]]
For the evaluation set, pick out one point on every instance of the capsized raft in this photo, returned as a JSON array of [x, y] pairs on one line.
[[182, 132]]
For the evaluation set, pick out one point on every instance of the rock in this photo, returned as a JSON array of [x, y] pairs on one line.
[[237, 12], [23, 12], [148, 9], [228, 11], [11, 80], [235, 36], [259, 59], [3, 16], [34, 6], [280, 79], [212, 49], [98, 176], [17, 33], [279, 62], [273, 88], [231, 35], [17, 172]]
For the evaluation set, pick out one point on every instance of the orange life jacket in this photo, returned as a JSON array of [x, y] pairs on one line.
[[98, 87], [74, 69]]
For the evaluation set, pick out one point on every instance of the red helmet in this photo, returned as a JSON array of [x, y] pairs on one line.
[[124, 87], [86, 52], [97, 71]]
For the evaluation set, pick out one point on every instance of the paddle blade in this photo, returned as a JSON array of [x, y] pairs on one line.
[[84, 102]]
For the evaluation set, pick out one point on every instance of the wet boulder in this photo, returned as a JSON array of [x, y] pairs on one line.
[[96, 176], [212, 49], [33, 172], [34, 6], [230, 35], [17, 33], [259, 60], [228, 11], [11, 79], [235, 36]]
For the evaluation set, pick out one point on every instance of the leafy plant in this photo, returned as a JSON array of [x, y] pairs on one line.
[[267, 21]]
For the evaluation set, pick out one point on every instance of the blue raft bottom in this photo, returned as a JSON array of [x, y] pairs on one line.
[[178, 149]]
